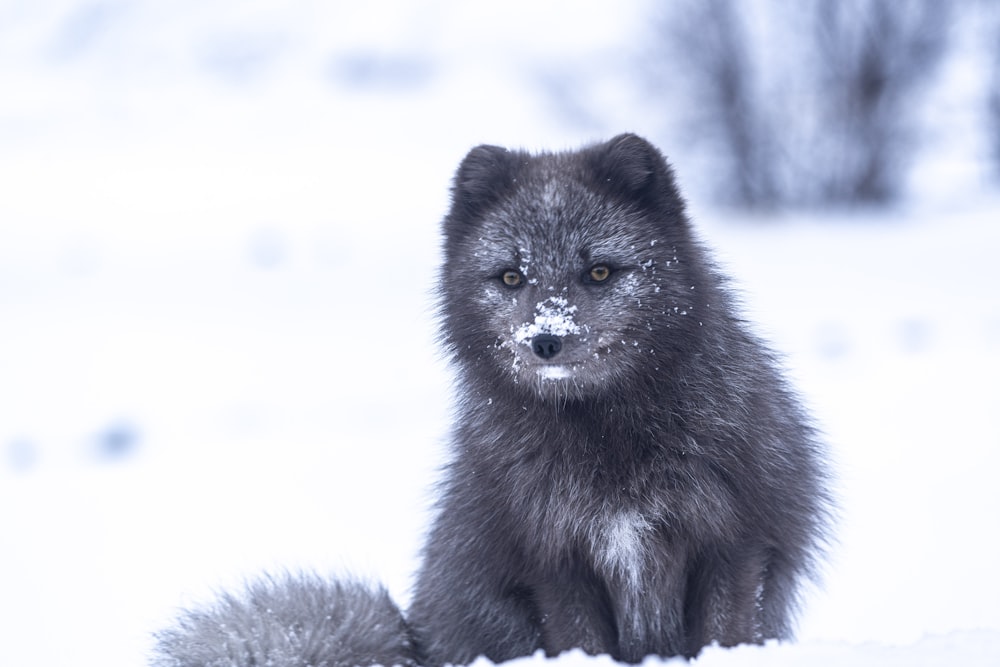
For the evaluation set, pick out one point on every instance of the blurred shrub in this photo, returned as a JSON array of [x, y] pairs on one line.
[[993, 111], [804, 102]]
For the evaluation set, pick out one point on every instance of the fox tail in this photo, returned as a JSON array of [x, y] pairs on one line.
[[290, 621]]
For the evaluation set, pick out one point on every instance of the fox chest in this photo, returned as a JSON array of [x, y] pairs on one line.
[[612, 539]]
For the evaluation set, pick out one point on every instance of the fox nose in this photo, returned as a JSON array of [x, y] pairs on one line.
[[546, 346]]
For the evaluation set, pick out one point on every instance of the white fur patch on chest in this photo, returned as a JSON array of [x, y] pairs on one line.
[[620, 545]]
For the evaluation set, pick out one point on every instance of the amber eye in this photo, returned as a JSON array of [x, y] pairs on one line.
[[599, 273], [512, 278]]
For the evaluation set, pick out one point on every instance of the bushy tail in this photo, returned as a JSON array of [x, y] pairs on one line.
[[290, 621]]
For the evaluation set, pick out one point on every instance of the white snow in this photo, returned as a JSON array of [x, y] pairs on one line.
[[555, 372], [553, 316], [218, 244]]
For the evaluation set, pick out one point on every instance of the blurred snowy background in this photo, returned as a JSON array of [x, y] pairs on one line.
[[218, 240]]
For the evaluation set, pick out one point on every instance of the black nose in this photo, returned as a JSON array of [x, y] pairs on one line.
[[546, 345]]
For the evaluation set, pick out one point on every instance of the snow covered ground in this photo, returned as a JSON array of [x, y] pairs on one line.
[[218, 241]]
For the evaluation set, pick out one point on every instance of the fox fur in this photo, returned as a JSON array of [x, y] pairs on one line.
[[630, 474]]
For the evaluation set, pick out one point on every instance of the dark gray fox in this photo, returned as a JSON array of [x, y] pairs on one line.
[[630, 475]]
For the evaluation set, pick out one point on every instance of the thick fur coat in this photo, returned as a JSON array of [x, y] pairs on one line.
[[630, 474]]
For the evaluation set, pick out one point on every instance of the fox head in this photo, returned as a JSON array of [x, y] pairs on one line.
[[566, 274]]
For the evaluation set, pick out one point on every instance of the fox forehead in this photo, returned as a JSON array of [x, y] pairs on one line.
[[557, 233], [532, 253]]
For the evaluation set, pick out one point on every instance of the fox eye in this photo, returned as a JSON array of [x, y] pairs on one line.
[[599, 273], [512, 278]]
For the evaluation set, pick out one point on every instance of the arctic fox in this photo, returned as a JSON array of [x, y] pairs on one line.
[[630, 475]]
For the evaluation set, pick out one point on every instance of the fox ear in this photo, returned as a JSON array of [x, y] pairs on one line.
[[629, 167], [484, 176]]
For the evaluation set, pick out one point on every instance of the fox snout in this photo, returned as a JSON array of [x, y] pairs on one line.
[[546, 346]]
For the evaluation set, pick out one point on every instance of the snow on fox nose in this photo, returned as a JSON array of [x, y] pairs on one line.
[[553, 321]]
